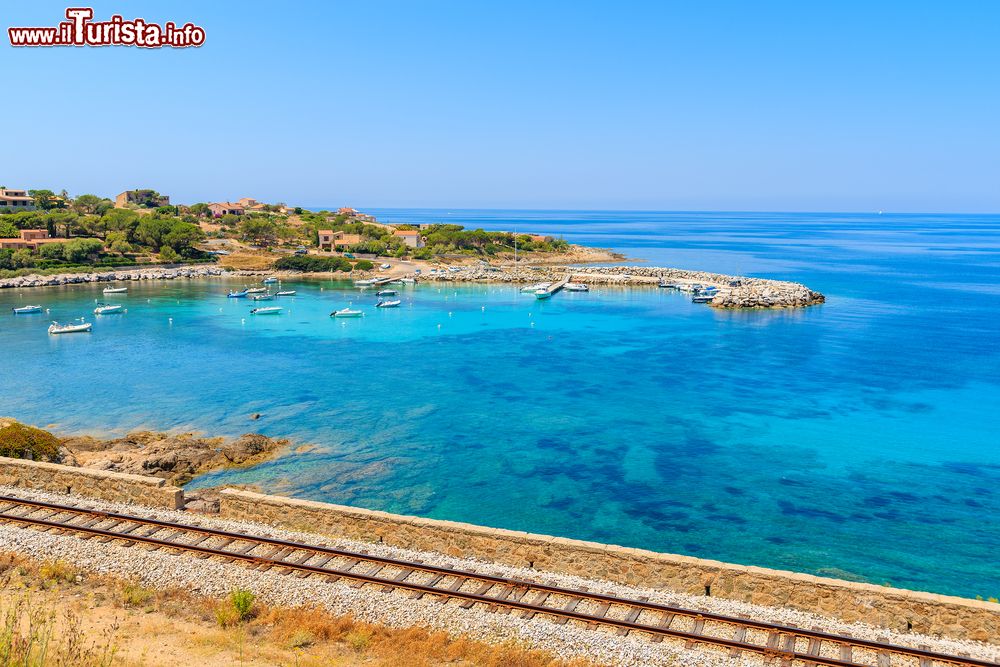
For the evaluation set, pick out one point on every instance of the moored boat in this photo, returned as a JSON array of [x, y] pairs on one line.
[[536, 287], [702, 298], [269, 280], [542, 294], [408, 281], [25, 310], [389, 304], [576, 287], [266, 310], [364, 283], [262, 297], [386, 292], [115, 290], [56, 328], [237, 295], [287, 292], [346, 312], [108, 308], [256, 290]]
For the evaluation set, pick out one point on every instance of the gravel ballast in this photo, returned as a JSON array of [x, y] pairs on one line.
[[159, 569]]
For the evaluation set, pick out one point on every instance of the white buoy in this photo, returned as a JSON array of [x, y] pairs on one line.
[[483, 309], [532, 325], [449, 313], [243, 320], [439, 326]]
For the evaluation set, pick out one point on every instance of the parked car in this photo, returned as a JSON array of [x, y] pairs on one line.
[[301, 251]]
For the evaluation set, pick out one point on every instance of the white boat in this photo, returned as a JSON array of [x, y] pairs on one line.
[[108, 308], [56, 328], [287, 292], [388, 304], [262, 297], [269, 281], [702, 298], [115, 290], [255, 290], [346, 312], [535, 288], [237, 295], [24, 310], [576, 287], [386, 292], [385, 266], [408, 281], [364, 283], [542, 294], [267, 310]]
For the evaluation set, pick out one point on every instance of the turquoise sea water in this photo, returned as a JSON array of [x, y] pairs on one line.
[[856, 439]]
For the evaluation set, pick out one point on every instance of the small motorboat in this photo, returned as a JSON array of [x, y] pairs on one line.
[[256, 290], [287, 292], [408, 281], [262, 297], [386, 292], [115, 290], [364, 283], [267, 310], [702, 298], [346, 312], [25, 310], [269, 280], [663, 284], [542, 294], [388, 304], [237, 295], [56, 328], [108, 309], [535, 288], [576, 287]]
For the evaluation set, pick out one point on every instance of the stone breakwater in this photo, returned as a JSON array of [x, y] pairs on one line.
[[160, 273], [734, 291]]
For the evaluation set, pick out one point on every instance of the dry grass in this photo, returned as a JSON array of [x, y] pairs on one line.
[[205, 631], [248, 261]]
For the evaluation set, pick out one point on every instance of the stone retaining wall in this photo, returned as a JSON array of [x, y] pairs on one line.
[[876, 605], [112, 486]]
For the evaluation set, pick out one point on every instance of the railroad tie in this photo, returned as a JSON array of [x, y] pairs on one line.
[[664, 624], [631, 616], [788, 648], [537, 602], [247, 549], [479, 591], [925, 662], [104, 539], [739, 634], [813, 648], [370, 573], [699, 625], [400, 577], [416, 595], [884, 659], [323, 560], [516, 595], [347, 568], [454, 586], [571, 605]]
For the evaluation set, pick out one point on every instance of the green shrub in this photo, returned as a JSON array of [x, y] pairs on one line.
[[363, 265], [312, 264], [26, 442], [242, 601]]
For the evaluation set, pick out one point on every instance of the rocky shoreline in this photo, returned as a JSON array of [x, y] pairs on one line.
[[159, 273], [735, 292]]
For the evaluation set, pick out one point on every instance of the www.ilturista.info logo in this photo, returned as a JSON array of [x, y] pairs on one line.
[[79, 30]]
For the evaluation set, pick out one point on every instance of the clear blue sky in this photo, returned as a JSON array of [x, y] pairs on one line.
[[738, 105]]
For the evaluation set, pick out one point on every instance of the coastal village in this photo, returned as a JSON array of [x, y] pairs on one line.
[[97, 238]]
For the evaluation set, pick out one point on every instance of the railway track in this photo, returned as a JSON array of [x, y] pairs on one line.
[[784, 644]]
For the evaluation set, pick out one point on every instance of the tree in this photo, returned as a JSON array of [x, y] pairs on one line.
[[44, 199], [51, 251], [151, 230], [78, 250], [22, 259], [200, 209], [118, 242], [121, 220], [167, 210], [259, 229], [87, 203], [7, 229], [168, 254], [183, 236]]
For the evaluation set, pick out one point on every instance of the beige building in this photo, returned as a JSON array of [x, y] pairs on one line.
[[141, 198], [411, 237], [220, 209], [16, 199], [329, 239], [29, 239]]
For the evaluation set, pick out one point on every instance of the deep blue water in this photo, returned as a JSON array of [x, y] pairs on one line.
[[855, 439]]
